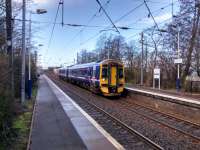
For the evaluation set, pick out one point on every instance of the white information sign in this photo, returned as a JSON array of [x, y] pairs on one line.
[[157, 71], [178, 61], [156, 76]]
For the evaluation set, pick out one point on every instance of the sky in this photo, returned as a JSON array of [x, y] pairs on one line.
[[67, 41]]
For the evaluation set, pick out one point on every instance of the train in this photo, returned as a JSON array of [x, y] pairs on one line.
[[104, 77]]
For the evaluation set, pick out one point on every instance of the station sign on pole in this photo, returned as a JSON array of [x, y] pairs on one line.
[[156, 76], [178, 61]]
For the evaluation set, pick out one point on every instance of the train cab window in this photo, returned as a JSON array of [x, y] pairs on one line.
[[121, 73], [104, 72]]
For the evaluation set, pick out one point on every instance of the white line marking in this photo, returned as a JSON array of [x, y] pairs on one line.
[[93, 122], [167, 96]]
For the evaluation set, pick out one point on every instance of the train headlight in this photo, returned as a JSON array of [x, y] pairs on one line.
[[103, 79]]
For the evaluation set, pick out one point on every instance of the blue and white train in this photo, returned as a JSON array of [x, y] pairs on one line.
[[105, 77]]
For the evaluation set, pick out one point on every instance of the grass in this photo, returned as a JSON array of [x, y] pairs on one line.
[[22, 123]]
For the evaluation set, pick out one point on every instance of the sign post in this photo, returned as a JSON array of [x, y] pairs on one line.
[[178, 61]]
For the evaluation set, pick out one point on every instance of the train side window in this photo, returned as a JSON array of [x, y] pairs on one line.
[[121, 73], [84, 72], [91, 71], [94, 73], [104, 72], [97, 72]]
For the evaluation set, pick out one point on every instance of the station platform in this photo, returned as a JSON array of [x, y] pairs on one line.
[[175, 97], [60, 124]]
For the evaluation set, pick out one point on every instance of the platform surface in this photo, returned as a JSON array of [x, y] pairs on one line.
[[165, 94], [59, 123]]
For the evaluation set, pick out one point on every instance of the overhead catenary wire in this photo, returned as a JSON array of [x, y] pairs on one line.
[[92, 37], [162, 8], [151, 14], [64, 24], [119, 19], [129, 12], [101, 7], [87, 24], [61, 2], [144, 32], [52, 31]]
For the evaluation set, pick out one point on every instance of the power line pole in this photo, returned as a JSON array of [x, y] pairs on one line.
[[172, 9], [62, 3], [178, 65], [146, 56], [9, 43], [108, 53], [142, 57], [29, 59], [23, 51]]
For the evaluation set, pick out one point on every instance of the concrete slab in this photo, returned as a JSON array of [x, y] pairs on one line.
[[92, 134], [52, 128], [175, 99]]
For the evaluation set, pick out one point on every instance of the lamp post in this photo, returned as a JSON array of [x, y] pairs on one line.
[[38, 11]]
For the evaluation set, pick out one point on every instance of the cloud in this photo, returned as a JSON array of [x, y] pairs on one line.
[[158, 19], [35, 1], [75, 2], [163, 17], [40, 1]]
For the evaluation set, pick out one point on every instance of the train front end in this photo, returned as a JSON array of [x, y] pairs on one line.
[[112, 78]]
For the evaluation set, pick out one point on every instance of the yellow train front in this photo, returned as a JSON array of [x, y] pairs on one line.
[[105, 77], [111, 78]]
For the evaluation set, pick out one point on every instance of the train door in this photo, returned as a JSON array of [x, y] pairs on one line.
[[113, 75]]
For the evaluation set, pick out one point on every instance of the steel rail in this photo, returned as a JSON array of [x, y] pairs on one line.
[[169, 115], [163, 123], [131, 130]]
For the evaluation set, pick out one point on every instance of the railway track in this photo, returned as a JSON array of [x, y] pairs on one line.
[[103, 117], [188, 128], [127, 136], [180, 139]]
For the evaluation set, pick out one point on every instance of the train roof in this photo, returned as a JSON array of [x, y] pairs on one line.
[[91, 64], [111, 60], [84, 65], [62, 68]]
